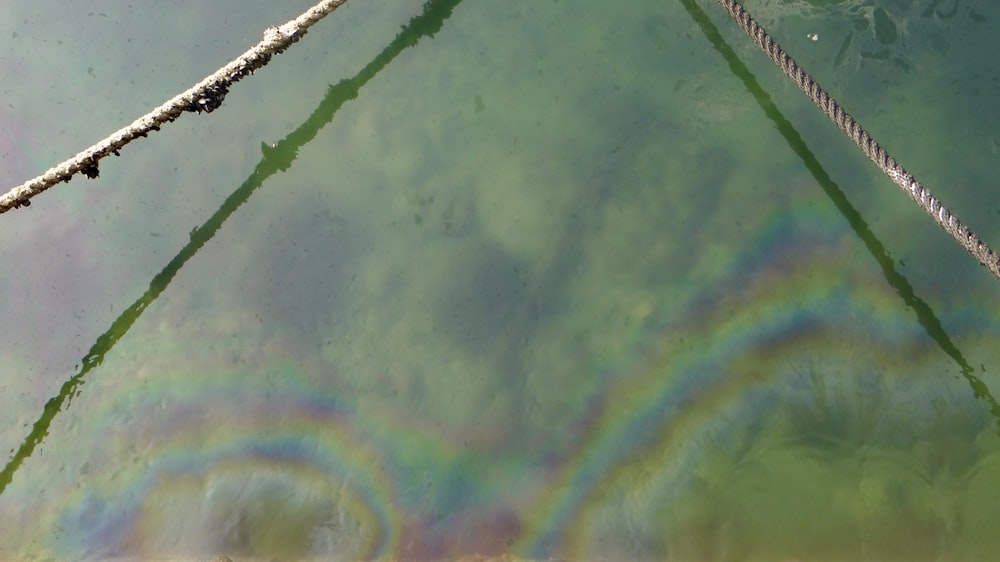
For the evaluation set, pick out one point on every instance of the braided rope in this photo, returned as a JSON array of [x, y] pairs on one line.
[[930, 204], [206, 96]]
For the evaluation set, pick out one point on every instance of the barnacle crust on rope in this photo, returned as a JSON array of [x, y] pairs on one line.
[[205, 96]]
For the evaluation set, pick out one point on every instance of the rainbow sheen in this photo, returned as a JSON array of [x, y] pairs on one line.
[[567, 297]]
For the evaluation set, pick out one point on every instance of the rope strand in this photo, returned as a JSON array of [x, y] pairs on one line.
[[206, 96], [872, 149]]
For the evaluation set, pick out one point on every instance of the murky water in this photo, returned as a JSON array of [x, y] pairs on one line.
[[535, 279]]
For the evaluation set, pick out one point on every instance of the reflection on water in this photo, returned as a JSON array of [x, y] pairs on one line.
[[559, 321]]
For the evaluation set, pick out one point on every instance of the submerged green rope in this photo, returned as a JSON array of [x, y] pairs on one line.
[[930, 204], [922, 310]]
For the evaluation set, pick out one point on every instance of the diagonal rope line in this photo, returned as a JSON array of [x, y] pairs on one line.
[[206, 96], [930, 204], [923, 311], [276, 159]]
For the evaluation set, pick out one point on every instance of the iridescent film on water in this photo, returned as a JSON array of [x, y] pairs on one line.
[[523, 280]]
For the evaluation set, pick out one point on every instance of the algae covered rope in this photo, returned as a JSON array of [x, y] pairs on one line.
[[205, 96], [930, 204]]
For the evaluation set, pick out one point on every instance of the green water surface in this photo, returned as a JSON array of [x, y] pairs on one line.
[[547, 279]]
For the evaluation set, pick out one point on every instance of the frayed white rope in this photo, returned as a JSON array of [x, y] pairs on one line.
[[206, 96]]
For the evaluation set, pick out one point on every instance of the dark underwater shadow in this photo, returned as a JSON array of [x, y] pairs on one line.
[[276, 158], [925, 315]]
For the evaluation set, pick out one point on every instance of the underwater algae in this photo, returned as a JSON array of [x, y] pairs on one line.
[[562, 373]]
